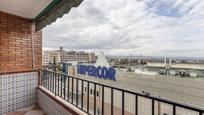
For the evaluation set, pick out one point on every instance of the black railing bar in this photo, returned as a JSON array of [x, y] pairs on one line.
[[152, 106], [77, 92], [164, 100], [47, 81], [87, 97], [41, 78], [55, 83], [68, 88], [112, 102], [48, 84], [43, 82], [136, 105], [64, 87], [94, 99], [58, 78], [61, 84], [50, 87], [102, 100], [44, 77], [174, 110], [123, 103], [82, 94], [72, 90], [51, 81]]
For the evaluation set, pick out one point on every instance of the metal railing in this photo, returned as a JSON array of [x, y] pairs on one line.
[[101, 99]]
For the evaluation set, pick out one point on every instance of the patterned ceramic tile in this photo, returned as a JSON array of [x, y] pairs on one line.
[[17, 91]]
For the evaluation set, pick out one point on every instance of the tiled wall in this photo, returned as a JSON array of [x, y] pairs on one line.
[[49, 106], [17, 91]]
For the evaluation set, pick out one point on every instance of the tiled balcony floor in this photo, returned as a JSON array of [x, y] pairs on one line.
[[33, 110]]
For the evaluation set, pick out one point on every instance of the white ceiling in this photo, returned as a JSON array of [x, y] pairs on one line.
[[24, 8]]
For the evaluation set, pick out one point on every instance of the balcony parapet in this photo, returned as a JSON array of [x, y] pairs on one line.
[[52, 104]]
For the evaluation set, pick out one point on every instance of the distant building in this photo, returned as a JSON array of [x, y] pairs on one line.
[[174, 69], [56, 55], [63, 56], [46, 58], [79, 56]]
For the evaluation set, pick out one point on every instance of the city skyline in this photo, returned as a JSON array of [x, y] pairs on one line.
[[150, 28], [97, 52]]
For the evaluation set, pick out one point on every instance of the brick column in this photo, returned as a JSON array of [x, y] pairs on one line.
[[16, 44]]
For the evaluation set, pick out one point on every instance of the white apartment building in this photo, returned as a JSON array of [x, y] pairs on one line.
[[45, 58], [62, 56], [56, 55], [48, 57]]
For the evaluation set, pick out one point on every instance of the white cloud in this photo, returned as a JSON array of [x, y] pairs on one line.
[[123, 27]]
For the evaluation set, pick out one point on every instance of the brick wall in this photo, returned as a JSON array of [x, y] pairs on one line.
[[16, 44]]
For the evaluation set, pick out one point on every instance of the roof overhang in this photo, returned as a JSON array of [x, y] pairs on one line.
[[41, 12]]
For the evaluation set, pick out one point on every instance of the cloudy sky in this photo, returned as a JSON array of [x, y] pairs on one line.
[[131, 27]]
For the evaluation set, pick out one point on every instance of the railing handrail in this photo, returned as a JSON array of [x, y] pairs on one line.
[[164, 100], [16, 72]]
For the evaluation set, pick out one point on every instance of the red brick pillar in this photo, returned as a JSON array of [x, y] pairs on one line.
[[16, 44]]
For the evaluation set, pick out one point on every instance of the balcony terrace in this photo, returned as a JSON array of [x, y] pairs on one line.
[[25, 87]]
